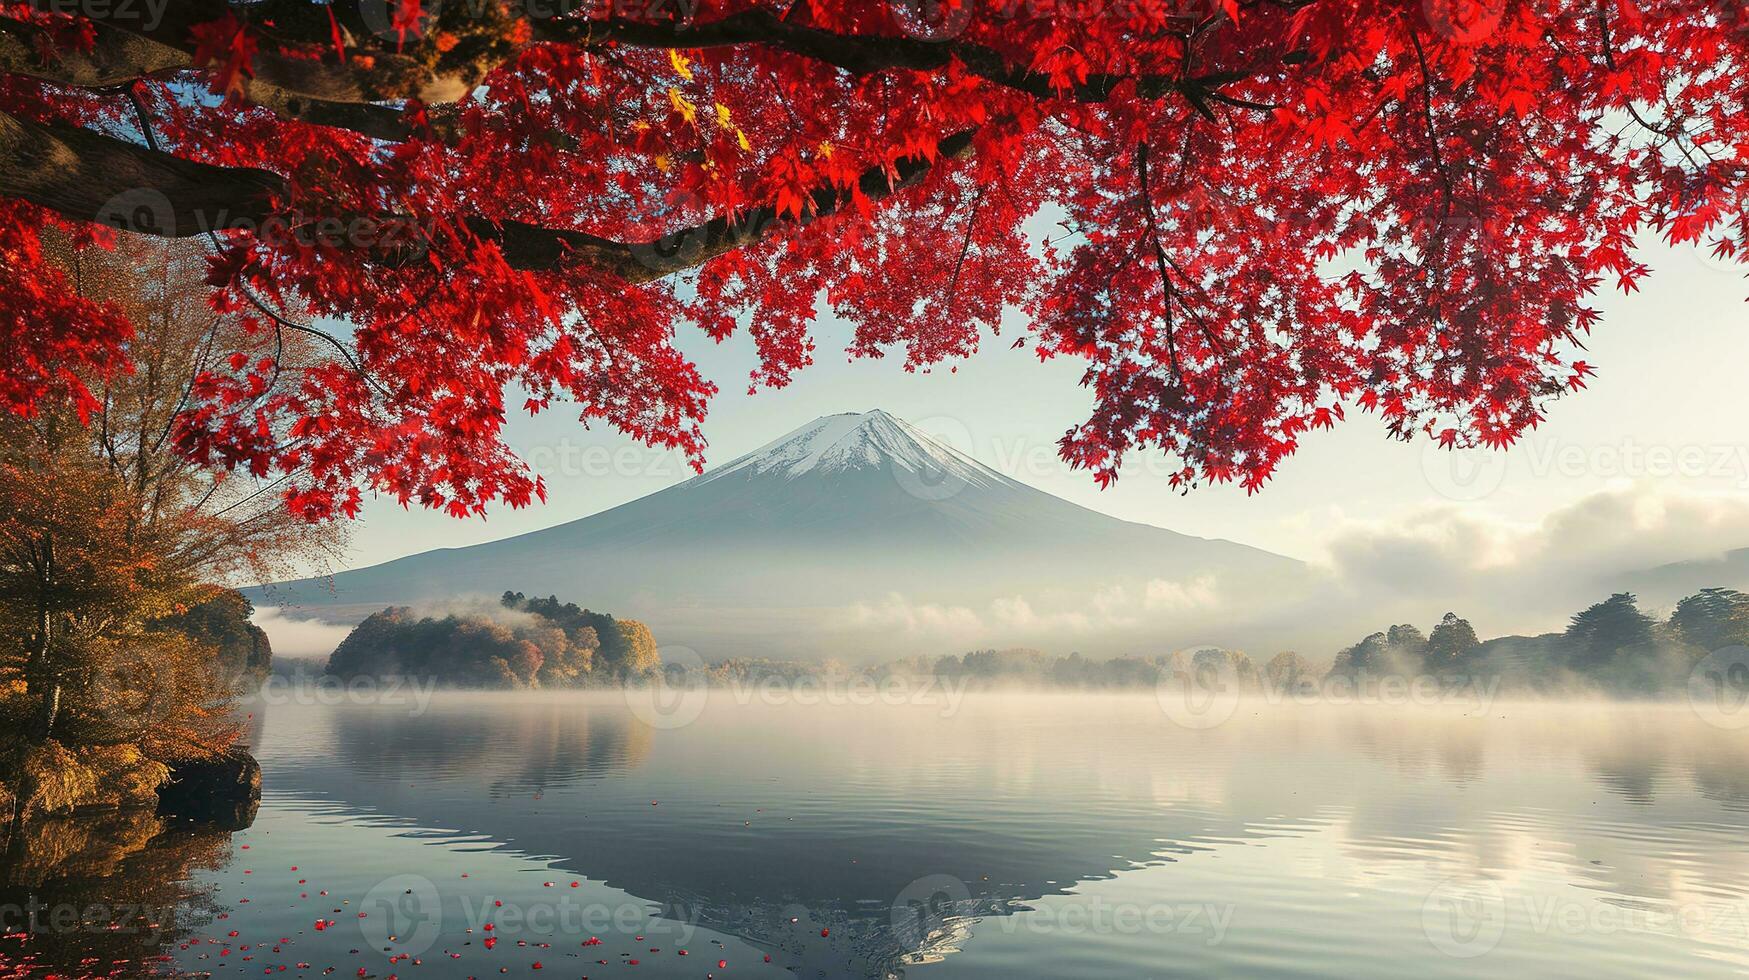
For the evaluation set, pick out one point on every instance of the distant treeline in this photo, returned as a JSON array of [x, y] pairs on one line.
[[1611, 647], [523, 643]]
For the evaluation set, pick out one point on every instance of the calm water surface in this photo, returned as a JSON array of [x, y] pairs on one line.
[[1037, 835]]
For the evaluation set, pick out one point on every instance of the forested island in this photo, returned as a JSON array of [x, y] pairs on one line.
[[520, 644]]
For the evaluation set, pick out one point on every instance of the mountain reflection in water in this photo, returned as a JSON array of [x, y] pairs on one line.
[[1018, 835]]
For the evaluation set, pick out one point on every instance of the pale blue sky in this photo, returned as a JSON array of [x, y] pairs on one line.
[[1668, 412]]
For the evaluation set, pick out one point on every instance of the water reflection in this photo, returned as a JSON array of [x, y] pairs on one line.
[[521, 748], [104, 894], [1016, 835], [831, 816]]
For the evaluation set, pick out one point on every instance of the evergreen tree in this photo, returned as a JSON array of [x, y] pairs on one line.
[[1368, 658], [1407, 640], [1712, 619], [1453, 641], [1606, 630]]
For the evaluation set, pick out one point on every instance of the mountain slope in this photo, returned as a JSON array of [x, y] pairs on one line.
[[770, 552], [1665, 584]]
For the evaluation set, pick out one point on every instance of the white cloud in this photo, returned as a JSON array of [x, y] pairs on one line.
[[894, 612], [1036, 619], [1532, 573], [1015, 613], [1194, 595], [1507, 576]]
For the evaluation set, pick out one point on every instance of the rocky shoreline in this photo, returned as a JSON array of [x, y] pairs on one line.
[[223, 790]]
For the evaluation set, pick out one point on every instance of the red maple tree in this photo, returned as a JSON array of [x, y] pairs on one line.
[[1243, 215]]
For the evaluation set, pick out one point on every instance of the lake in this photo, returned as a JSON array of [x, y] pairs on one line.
[[1000, 835]]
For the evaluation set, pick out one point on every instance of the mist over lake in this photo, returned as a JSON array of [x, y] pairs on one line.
[[991, 835]]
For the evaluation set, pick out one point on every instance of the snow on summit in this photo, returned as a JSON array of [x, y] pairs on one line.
[[781, 552], [856, 441]]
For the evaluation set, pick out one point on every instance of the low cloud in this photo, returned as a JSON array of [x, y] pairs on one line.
[[299, 638], [914, 620], [1036, 619], [1196, 595], [1015, 613], [1531, 575], [1506, 576]]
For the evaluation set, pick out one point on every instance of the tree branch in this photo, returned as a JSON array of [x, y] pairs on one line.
[[537, 248], [118, 58], [319, 90], [1159, 260], [856, 54], [391, 75], [93, 177]]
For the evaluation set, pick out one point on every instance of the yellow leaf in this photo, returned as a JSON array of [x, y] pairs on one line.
[[742, 139], [722, 115], [826, 149], [681, 64], [687, 110], [662, 162]]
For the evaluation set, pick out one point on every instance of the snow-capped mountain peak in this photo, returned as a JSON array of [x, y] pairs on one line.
[[873, 440], [796, 548]]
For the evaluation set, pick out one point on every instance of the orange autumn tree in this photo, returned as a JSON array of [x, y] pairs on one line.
[[85, 584], [106, 533]]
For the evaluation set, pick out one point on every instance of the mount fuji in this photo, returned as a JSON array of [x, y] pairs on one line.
[[856, 537]]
